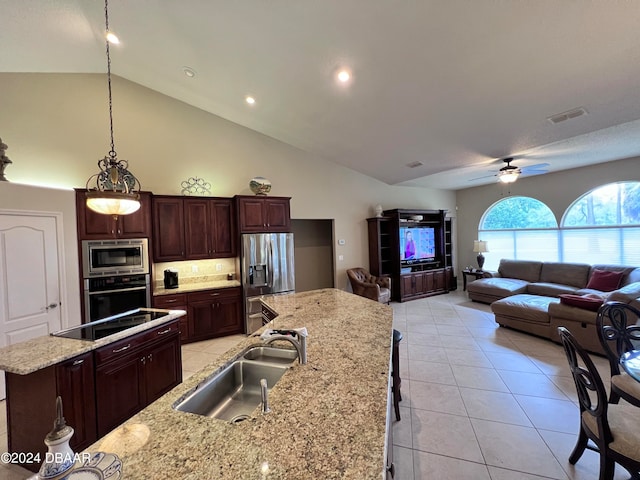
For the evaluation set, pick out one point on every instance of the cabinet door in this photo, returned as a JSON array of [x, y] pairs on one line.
[[251, 213], [163, 367], [228, 315], [120, 391], [137, 224], [175, 302], [75, 384], [277, 215], [168, 229], [197, 228], [223, 228], [92, 225], [406, 286], [440, 280], [201, 319]]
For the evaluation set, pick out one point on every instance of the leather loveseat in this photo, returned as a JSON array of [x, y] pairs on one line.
[[538, 297]]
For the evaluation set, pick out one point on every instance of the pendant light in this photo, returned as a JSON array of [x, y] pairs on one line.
[[113, 190]]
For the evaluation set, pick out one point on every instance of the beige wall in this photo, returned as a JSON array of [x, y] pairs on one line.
[[36, 199], [557, 190], [56, 126]]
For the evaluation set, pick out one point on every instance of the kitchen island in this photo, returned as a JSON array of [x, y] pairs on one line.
[[328, 418]]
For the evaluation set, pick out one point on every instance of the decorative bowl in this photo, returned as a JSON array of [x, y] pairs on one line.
[[260, 185]]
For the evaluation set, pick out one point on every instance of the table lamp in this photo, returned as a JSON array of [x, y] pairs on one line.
[[479, 247]]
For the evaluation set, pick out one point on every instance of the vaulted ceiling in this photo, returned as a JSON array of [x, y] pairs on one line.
[[450, 85]]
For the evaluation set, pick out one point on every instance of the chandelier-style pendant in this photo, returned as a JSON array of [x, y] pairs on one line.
[[113, 190]]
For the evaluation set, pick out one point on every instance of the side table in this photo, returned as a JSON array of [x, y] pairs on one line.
[[475, 274]]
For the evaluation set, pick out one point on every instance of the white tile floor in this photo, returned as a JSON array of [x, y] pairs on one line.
[[479, 402]]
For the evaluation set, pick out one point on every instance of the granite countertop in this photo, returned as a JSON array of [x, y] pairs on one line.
[[328, 418], [27, 357], [194, 286]]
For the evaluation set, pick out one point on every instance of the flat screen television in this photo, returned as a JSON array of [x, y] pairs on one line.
[[417, 244]]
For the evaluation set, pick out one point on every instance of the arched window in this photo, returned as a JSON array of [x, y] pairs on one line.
[[603, 226], [520, 228]]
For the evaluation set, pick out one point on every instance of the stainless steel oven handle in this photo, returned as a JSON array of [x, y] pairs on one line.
[[135, 289]]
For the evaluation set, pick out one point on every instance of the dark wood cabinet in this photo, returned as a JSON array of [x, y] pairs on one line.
[[214, 313], [97, 226], [193, 228], [257, 214], [119, 390], [31, 405], [168, 229], [411, 279], [176, 301], [100, 389], [76, 385], [133, 372]]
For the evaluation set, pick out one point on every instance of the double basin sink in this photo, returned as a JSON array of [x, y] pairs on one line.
[[235, 392]]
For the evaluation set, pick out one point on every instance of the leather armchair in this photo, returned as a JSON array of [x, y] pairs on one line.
[[370, 286]]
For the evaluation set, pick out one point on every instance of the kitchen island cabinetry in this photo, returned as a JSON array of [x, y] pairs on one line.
[[193, 228], [132, 373], [261, 214], [31, 405], [97, 226], [101, 382]]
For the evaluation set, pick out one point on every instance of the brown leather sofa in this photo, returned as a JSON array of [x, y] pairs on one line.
[[526, 295], [370, 286]]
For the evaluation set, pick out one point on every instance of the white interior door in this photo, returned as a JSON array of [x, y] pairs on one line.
[[29, 279]]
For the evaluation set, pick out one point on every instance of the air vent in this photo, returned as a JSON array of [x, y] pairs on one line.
[[414, 164], [561, 117]]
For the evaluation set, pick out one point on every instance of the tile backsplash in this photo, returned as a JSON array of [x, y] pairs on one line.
[[197, 270]]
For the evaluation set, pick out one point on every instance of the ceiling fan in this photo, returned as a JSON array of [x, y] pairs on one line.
[[510, 173]]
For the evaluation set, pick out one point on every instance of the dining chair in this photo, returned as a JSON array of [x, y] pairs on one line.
[[612, 428], [619, 333]]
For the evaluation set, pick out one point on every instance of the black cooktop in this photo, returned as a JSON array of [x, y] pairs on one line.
[[110, 325]]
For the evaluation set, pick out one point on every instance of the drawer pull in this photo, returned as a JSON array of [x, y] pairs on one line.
[[126, 347], [214, 294], [171, 301], [78, 362], [164, 331]]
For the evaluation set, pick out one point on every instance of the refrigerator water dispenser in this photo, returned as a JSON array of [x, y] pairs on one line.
[[258, 275]]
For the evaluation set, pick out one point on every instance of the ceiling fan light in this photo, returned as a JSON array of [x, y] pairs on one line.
[[508, 176]]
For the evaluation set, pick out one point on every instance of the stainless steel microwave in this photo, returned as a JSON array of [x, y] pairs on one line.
[[114, 257]]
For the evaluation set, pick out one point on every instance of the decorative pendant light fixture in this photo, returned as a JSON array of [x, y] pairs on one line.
[[113, 190]]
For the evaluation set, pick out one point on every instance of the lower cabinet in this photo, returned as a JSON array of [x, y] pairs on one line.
[[132, 373], [210, 313], [31, 406], [424, 283], [99, 389]]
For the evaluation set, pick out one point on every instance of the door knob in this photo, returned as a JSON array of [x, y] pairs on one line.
[[51, 305]]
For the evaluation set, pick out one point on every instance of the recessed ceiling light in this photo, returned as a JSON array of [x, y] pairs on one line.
[[250, 100], [189, 72], [113, 38], [343, 76]]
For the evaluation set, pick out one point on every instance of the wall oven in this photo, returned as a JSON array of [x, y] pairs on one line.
[[114, 257], [115, 277], [110, 295]]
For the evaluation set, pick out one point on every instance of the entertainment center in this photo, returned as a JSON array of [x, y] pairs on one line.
[[413, 248]]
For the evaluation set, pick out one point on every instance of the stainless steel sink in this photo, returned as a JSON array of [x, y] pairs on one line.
[[273, 355], [234, 393]]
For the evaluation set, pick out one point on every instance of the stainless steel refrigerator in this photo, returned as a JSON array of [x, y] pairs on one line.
[[267, 268]]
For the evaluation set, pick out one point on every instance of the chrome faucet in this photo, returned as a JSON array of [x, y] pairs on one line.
[[290, 336], [264, 395]]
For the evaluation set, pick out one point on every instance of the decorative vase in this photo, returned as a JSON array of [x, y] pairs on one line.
[[260, 185], [60, 457]]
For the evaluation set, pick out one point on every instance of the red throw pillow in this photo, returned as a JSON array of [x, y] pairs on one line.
[[604, 280], [587, 303]]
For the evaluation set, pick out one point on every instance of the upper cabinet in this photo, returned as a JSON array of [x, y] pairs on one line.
[[192, 228], [97, 226], [263, 214]]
